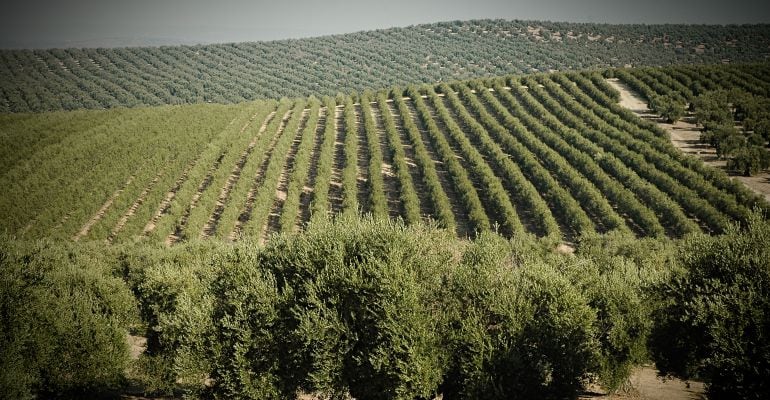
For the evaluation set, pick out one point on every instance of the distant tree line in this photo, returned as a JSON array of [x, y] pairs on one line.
[[68, 79]]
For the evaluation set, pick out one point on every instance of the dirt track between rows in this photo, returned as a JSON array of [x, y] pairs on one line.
[[685, 135]]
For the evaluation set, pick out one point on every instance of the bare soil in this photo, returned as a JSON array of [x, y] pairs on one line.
[[644, 384], [630, 99], [685, 135]]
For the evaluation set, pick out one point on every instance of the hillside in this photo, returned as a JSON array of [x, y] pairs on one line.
[[68, 79], [549, 154]]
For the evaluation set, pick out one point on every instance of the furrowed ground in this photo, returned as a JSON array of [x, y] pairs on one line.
[[549, 154]]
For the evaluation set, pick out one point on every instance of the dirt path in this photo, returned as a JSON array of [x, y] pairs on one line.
[[646, 385], [224, 193], [630, 99], [685, 135], [99, 214]]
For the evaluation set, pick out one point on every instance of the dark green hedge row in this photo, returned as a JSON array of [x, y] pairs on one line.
[[371, 309], [375, 310]]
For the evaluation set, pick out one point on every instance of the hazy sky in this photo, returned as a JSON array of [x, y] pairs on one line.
[[88, 23]]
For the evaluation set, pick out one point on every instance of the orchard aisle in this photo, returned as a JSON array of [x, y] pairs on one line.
[[685, 135]]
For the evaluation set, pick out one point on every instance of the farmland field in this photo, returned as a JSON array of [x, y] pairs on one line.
[[553, 155], [483, 209], [67, 79]]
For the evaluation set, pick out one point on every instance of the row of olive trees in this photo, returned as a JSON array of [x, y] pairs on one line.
[[597, 88], [681, 181], [68, 79], [718, 112], [368, 309], [720, 98]]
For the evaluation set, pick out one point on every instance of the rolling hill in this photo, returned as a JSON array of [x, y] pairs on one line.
[[69, 79], [548, 154]]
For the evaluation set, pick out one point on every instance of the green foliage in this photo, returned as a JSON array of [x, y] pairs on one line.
[[615, 274], [718, 110], [366, 317], [410, 202], [458, 174], [67, 79], [299, 171], [63, 320], [518, 185], [246, 339], [377, 203], [523, 331], [350, 165], [442, 209], [320, 202], [749, 160], [714, 317], [370, 309], [668, 107], [551, 155]]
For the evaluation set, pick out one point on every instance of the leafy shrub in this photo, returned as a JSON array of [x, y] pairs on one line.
[[63, 320], [174, 290], [615, 271], [365, 317], [516, 332], [374, 309], [715, 319], [669, 107], [246, 336]]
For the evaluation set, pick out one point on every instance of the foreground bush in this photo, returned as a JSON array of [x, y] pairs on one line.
[[615, 273], [715, 322], [377, 310], [362, 308], [519, 329], [63, 321]]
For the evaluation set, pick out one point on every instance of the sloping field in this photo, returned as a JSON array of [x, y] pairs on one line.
[[67, 79], [549, 154]]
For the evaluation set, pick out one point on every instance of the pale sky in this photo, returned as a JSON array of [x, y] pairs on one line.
[[105, 23]]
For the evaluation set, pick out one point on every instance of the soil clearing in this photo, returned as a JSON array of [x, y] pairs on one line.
[[644, 384]]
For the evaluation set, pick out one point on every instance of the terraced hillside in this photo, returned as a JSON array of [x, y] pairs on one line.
[[67, 79], [549, 154]]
